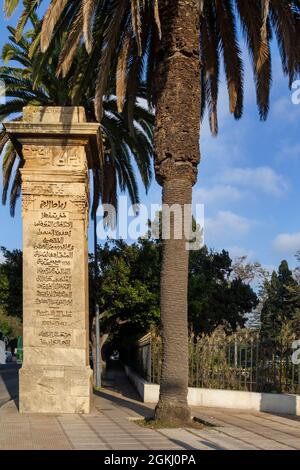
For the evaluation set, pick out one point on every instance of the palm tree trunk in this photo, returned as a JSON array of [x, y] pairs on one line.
[[177, 155]]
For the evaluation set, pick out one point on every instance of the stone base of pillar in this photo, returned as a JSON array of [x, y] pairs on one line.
[[56, 389]]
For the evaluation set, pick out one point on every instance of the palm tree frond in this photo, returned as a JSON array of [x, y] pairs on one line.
[[88, 7], [121, 81], [51, 18], [16, 189], [136, 23], [70, 47], [110, 41]]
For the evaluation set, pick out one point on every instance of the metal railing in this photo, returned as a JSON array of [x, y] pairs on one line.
[[242, 361]]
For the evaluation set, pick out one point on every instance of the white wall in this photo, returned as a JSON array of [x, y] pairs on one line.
[[232, 399]]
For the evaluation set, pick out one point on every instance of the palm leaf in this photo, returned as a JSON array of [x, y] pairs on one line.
[[29, 7], [9, 159], [70, 47], [136, 23], [50, 20], [88, 8], [10, 6], [122, 72], [16, 188], [110, 41]]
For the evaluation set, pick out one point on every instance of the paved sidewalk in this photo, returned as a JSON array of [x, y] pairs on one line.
[[110, 427]]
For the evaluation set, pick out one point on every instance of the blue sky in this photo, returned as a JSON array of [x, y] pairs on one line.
[[248, 178]]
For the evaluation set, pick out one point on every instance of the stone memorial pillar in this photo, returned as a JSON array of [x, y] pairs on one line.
[[56, 145]]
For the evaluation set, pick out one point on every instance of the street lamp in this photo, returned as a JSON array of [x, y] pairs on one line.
[[97, 314]]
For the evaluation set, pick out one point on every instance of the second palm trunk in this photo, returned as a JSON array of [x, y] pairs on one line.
[[177, 154]]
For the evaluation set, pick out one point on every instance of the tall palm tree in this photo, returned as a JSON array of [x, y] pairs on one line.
[[178, 46]]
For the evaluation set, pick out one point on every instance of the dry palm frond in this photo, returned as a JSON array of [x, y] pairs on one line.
[[136, 23], [97, 189], [69, 49], [109, 195], [110, 42], [286, 24], [209, 57], [16, 188], [131, 93], [232, 55], [251, 18], [157, 18], [9, 169], [88, 7], [121, 84], [51, 18], [264, 50], [265, 14]]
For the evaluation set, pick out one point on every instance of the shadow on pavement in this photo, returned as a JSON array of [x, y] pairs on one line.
[[138, 408], [116, 381], [9, 382]]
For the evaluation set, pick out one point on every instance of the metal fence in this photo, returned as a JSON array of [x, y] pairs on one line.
[[242, 361]]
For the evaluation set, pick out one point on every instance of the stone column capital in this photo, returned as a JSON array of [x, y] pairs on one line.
[[44, 127]]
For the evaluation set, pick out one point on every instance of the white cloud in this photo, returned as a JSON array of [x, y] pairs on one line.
[[286, 110], [288, 243], [261, 178], [227, 224], [217, 193], [224, 150], [288, 151]]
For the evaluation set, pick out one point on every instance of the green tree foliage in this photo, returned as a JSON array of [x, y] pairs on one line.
[[280, 304], [11, 283], [10, 326], [294, 291], [216, 296], [128, 287]]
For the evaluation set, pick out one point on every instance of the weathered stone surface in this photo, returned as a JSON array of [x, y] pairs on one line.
[[55, 376], [57, 389], [54, 114]]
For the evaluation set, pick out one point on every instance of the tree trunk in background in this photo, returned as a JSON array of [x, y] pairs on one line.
[[176, 139], [103, 338], [93, 346]]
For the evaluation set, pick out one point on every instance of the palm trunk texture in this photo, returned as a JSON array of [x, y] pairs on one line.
[[177, 91]]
